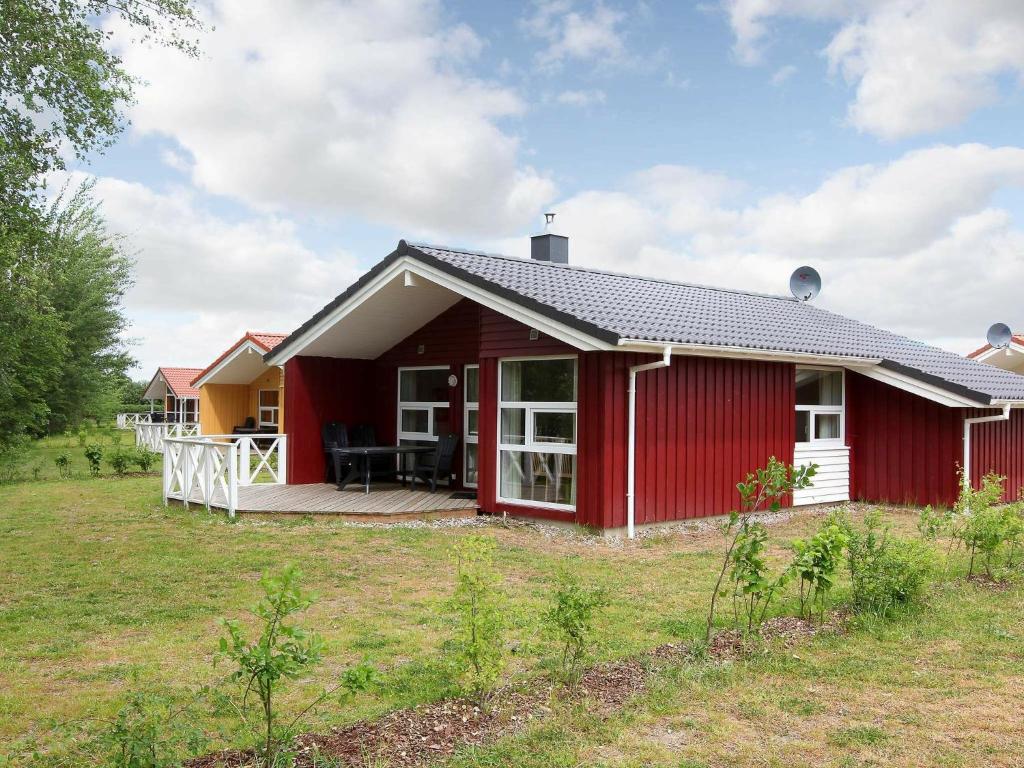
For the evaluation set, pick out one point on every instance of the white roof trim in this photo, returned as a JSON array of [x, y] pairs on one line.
[[994, 351], [743, 353], [919, 388], [483, 297], [248, 346]]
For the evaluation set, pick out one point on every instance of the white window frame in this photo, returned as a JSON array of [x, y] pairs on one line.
[[260, 408], [529, 445], [467, 438], [418, 405], [816, 410]]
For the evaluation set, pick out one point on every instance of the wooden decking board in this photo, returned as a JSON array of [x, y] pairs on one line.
[[391, 502]]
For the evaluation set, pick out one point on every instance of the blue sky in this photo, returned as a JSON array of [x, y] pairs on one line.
[[718, 142]]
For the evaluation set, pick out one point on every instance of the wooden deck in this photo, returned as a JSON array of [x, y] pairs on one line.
[[384, 502]]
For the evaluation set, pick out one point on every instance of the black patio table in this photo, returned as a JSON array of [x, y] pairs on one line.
[[364, 453]]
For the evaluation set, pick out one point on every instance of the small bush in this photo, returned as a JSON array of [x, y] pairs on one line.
[[478, 606], [94, 455], [63, 462], [116, 437], [570, 620], [816, 564], [985, 527], [37, 470], [151, 731], [120, 461], [887, 573], [753, 586], [83, 436], [144, 459]]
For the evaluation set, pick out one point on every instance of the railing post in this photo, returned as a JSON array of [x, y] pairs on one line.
[[232, 499], [207, 454], [244, 461], [167, 470], [282, 459], [186, 477]]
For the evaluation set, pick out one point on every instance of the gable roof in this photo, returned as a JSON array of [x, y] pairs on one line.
[[1017, 339], [263, 341], [178, 379], [616, 310]]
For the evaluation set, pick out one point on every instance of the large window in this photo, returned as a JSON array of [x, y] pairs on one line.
[[819, 405], [537, 431], [269, 408], [471, 424], [422, 405]]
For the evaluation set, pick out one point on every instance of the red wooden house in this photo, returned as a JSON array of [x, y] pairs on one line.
[[531, 362]]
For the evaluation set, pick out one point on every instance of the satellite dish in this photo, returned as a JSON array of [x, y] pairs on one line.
[[805, 283], [999, 335]]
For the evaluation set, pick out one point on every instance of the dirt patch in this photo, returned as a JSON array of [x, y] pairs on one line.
[[787, 631], [985, 581]]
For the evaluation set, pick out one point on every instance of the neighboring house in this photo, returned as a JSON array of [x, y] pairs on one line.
[[1009, 359], [240, 390], [173, 387], [530, 362]]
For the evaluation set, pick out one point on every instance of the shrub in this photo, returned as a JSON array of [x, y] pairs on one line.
[[63, 462], [984, 526], [83, 436], [815, 566], [570, 620], [282, 652], [151, 731], [753, 587], [887, 573], [94, 455], [478, 605], [144, 459], [116, 437], [120, 461], [765, 487]]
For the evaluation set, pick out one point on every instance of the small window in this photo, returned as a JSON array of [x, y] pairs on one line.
[[820, 409], [269, 408]]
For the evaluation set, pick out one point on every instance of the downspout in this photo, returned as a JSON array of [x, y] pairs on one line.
[[665, 362], [1004, 416]]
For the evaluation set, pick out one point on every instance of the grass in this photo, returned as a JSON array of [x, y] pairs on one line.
[[39, 461], [103, 590]]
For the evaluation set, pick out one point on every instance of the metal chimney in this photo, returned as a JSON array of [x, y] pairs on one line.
[[549, 246]]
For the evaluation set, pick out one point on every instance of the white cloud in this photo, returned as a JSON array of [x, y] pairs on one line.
[[915, 245], [362, 107], [581, 98], [202, 280], [917, 67], [782, 74], [590, 34]]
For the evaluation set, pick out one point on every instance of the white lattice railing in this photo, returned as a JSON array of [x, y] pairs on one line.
[[131, 420], [208, 470], [152, 436]]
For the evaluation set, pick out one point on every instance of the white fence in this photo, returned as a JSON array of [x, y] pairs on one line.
[[208, 470], [131, 420], [151, 436]]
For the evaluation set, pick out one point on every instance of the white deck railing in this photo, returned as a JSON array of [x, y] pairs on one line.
[[151, 436], [131, 420], [208, 470]]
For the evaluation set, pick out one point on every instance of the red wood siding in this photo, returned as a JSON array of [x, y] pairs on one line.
[[501, 336], [903, 449], [998, 446], [701, 425], [317, 390]]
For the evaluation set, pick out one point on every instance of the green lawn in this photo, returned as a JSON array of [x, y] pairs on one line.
[[103, 590], [39, 462]]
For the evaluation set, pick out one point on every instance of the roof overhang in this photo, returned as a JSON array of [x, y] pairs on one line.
[[1009, 359], [157, 389], [401, 294], [239, 366]]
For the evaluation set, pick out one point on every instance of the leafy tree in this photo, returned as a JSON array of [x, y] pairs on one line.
[[478, 607], [283, 651], [753, 586], [63, 88], [762, 488]]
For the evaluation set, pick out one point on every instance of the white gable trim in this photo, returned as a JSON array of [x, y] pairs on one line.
[[248, 346], [414, 269], [919, 388], [993, 351]]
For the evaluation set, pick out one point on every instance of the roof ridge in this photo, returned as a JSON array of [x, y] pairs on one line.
[[609, 272]]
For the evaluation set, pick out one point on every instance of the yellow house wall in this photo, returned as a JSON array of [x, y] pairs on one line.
[[222, 407]]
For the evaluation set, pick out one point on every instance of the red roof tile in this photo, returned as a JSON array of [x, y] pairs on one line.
[[266, 341], [180, 380]]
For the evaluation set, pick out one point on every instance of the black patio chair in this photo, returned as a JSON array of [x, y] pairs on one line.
[[248, 428], [431, 467], [334, 434]]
